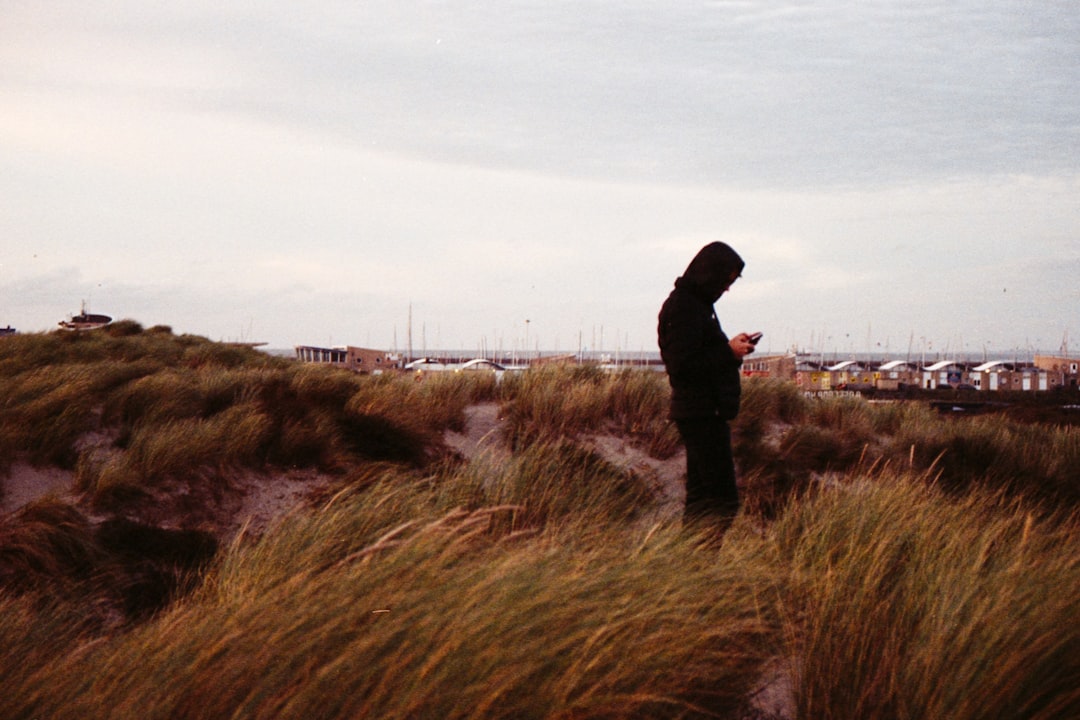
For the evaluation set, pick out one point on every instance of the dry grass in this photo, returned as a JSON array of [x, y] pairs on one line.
[[904, 602], [897, 563], [554, 402], [387, 604]]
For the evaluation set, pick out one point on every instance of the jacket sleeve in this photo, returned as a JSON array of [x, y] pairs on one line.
[[702, 367], [693, 347]]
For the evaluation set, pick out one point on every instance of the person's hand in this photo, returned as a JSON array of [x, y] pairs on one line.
[[741, 345]]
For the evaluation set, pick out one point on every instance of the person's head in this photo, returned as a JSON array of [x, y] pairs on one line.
[[714, 269]]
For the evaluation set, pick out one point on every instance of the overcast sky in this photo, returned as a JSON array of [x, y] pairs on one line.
[[899, 175]]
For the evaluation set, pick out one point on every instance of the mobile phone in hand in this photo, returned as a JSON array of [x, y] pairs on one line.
[[754, 338]]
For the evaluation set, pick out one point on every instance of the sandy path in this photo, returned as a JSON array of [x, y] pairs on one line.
[[666, 476], [482, 432], [26, 483]]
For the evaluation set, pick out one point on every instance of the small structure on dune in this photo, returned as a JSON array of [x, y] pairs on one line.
[[85, 320]]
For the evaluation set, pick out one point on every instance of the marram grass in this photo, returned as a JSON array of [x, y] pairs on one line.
[[908, 565], [441, 617], [905, 602], [883, 597]]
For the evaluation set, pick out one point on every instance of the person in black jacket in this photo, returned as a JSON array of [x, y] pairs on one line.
[[703, 367]]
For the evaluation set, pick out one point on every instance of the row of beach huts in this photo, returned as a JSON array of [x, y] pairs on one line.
[[1042, 373], [810, 373]]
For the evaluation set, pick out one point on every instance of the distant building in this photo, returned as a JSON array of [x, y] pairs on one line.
[[943, 374], [326, 356], [811, 375], [1002, 375], [361, 360], [808, 372], [850, 374], [772, 366], [1063, 369], [988, 376], [1029, 378], [896, 375]]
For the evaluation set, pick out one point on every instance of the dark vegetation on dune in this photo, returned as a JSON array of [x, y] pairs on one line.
[[883, 547]]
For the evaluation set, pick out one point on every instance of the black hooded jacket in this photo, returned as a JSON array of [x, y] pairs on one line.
[[701, 366]]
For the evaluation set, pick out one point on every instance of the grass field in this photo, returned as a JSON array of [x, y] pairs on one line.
[[889, 562]]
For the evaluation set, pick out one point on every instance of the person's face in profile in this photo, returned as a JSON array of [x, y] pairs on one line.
[[728, 283]]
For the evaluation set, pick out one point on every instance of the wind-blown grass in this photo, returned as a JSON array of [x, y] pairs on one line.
[[909, 603], [450, 614], [895, 562], [899, 602], [185, 407], [553, 402], [53, 386], [1040, 461], [785, 442]]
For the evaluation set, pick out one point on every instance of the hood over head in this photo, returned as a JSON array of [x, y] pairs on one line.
[[712, 268]]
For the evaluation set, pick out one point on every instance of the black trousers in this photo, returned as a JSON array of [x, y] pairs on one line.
[[711, 494]]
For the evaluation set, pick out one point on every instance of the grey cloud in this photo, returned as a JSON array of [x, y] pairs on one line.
[[823, 93], [753, 94]]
